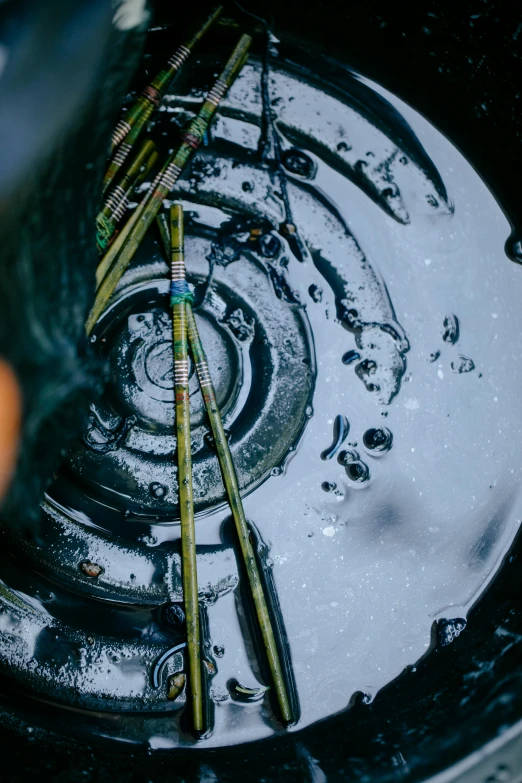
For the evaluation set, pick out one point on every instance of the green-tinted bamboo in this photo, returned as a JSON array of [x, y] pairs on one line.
[[129, 175], [153, 93], [125, 148], [118, 199], [115, 262], [180, 293], [230, 480], [106, 227]]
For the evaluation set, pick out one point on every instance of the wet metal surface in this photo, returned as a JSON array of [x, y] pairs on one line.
[[401, 319]]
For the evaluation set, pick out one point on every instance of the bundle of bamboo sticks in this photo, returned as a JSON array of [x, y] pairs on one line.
[[118, 248]]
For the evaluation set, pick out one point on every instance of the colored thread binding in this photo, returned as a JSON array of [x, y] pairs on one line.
[[180, 292], [104, 231], [191, 140], [152, 94]]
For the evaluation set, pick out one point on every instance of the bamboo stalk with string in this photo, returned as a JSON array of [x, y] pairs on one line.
[[180, 301], [138, 114], [228, 472], [118, 199], [124, 150], [119, 255]]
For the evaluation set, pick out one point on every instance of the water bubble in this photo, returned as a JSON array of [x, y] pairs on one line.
[[350, 356], [448, 630], [309, 411], [276, 471], [328, 486], [316, 292], [93, 338], [451, 329], [247, 187], [378, 440], [462, 364], [341, 428], [358, 472], [347, 457], [298, 162], [158, 490], [219, 650]]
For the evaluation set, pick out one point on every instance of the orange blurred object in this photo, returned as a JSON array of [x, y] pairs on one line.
[[10, 419]]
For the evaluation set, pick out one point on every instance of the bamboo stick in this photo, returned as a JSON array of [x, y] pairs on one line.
[[228, 471], [120, 254], [180, 298], [139, 113], [118, 199], [124, 150]]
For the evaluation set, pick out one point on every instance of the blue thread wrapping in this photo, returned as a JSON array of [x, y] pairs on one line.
[[180, 292]]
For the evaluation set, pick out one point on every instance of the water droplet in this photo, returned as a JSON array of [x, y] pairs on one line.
[[328, 486], [351, 356], [269, 245], [513, 248], [463, 364], [299, 163], [358, 472], [378, 440], [451, 329], [341, 428], [158, 490], [347, 457], [316, 292], [174, 615]]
